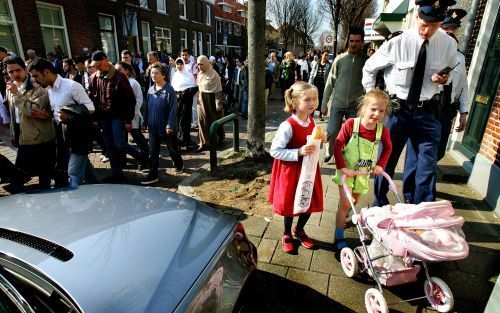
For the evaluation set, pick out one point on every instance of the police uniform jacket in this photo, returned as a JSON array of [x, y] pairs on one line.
[[399, 56]]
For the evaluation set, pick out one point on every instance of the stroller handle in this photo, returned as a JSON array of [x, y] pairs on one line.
[[392, 186]]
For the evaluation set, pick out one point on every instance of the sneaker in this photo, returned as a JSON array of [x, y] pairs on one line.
[[179, 170], [303, 238], [104, 159], [149, 180], [287, 243]]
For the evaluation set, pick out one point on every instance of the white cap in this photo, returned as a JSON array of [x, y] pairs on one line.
[[211, 59]]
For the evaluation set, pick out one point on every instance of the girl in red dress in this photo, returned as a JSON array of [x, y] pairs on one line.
[[288, 147]]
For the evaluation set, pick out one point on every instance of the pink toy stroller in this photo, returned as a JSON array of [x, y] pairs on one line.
[[402, 235]]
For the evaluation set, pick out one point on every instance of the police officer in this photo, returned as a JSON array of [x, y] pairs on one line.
[[413, 61], [457, 92], [454, 98]]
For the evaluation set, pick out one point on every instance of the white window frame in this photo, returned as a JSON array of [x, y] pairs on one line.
[[218, 25], [209, 44], [115, 35], [209, 15], [184, 39], [64, 27], [144, 37], [166, 34], [230, 28], [195, 43], [13, 22], [200, 43], [158, 9], [182, 12]]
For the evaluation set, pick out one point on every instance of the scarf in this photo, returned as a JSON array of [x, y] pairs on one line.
[[208, 80], [182, 80]]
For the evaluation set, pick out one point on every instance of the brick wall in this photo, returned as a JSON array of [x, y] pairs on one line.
[[490, 145], [83, 23]]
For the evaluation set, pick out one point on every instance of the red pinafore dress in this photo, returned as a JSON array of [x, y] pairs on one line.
[[285, 176]]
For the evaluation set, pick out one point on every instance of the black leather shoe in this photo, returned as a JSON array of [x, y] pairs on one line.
[[327, 158]]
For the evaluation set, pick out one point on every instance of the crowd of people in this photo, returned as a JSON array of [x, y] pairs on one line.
[[405, 93], [56, 109]]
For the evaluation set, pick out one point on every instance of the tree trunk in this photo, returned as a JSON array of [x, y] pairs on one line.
[[256, 67]]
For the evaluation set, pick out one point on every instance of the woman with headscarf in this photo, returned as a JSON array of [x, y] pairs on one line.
[[210, 106], [185, 86]]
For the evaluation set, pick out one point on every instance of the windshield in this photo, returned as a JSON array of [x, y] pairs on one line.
[[23, 290]]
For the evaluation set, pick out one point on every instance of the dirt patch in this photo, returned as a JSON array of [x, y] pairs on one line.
[[240, 182]]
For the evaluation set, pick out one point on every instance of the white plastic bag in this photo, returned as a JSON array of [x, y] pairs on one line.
[[305, 187]]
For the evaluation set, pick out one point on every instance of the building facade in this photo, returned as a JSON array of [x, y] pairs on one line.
[[111, 25], [231, 23]]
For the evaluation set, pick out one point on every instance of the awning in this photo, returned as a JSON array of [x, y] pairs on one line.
[[390, 22]]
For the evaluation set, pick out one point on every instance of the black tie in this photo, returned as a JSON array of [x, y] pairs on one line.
[[418, 75]]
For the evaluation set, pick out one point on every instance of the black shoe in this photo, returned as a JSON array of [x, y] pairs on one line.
[[149, 180], [327, 158], [179, 170], [321, 119]]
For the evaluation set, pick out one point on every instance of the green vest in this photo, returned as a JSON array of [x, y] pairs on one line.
[[359, 154]]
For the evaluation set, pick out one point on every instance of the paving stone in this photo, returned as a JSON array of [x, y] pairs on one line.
[[482, 263], [314, 219], [324, 261], [349, 292], [316, 281], [321, 235], [468, 287], [300, 260], [274, 230], [266, 249], [254, 225], [327, 219], [273, 268], [255, 240]]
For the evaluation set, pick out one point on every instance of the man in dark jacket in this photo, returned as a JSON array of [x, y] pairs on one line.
[[114, 100]]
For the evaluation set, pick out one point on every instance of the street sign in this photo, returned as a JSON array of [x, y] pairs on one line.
[[328, 40]]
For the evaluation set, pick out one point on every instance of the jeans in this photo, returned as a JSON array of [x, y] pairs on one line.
[[80, 169], [115, 139], [335, 123], [244, 102], [142, 151], [154, 151]]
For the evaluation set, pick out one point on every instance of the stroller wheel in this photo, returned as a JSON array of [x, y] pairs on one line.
[[375, 301], [349, 262], [440, 298]]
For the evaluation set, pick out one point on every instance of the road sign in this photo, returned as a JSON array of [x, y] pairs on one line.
[[328, 40]]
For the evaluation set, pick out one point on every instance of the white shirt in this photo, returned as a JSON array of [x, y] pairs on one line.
[[282, 138], [136, 88], [459, 88], [304, 66], [399, 56], [66, 91]]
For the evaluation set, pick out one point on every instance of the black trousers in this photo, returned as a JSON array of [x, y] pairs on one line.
[[184, 115], [154, 151], [62, 158], [38, 160]]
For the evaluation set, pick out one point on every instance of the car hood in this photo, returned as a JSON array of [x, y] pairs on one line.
[[132, 245]]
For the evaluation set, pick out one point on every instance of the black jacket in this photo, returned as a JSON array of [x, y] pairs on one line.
[[77, 130]]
